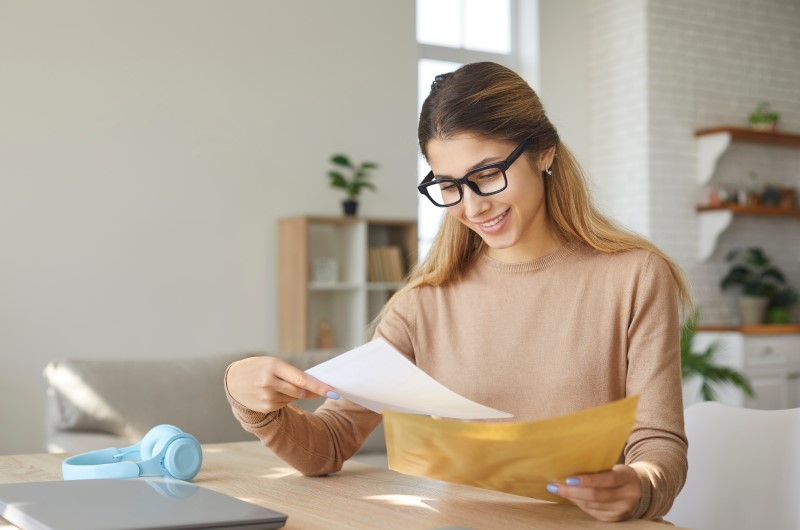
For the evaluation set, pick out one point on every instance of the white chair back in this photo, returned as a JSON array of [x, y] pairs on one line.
[[744, 469]]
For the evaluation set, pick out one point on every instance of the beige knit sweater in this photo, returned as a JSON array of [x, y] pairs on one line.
[[575, 329]]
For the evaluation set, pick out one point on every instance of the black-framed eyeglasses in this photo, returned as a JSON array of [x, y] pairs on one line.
[[485, 180]]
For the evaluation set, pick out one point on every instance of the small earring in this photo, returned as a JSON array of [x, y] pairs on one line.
[[548, 171]]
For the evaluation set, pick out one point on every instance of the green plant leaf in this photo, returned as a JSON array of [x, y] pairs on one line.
[[707, 392], [702, 365], [753, 270], [341, 160], [337, 180], [353, 180], [737, 275], [773, 273], [757, 257]]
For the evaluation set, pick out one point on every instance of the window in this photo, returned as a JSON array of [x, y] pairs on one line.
[[477, 25], [451, 33]]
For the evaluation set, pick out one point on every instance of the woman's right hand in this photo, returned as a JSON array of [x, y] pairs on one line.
[[266, 384]]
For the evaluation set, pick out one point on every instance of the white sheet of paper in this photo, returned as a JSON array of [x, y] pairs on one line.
[[377, 376]]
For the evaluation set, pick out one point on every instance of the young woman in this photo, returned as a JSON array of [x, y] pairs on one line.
[[529, 301]]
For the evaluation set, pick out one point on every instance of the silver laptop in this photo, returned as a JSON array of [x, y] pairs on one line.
[[128, 504]]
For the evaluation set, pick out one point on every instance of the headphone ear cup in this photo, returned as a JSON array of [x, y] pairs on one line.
[[183, 457], [156, 436]]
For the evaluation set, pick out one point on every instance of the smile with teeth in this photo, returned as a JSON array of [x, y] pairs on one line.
[[496, 220]]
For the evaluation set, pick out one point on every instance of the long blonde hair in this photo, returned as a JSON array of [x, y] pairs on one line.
[[490, 100]]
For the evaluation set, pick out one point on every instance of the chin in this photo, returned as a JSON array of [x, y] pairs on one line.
[[497, 243]]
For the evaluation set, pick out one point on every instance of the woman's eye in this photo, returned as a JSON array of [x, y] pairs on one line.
[[447, 187], [488, 175]]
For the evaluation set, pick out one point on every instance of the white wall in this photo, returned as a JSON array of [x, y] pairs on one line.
[[710, 63], [564, 72], [659, 70], [147, 149], [619, 114]]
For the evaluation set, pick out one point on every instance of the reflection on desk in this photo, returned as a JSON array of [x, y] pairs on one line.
[[359, 496]]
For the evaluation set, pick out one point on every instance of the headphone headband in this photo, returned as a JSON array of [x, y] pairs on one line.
[[174, 453]]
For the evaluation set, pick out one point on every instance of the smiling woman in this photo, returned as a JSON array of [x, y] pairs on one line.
[[529, 301]]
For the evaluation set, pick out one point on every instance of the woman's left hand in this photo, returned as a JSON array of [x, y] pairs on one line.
[[606, 496]]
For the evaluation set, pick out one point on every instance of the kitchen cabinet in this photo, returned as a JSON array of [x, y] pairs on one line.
[[769, 356]]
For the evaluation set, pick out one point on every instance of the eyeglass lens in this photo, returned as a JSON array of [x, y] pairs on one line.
[[488, 181]]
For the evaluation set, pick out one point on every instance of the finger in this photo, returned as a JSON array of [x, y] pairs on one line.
[[290, 391], [298, 378], [603, 479], [268, 400], [627, 492], [617, 476], [607, 486], [582, 494]]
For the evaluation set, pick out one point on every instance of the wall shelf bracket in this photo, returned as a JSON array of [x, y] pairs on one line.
[[709, 148], [711, 225]]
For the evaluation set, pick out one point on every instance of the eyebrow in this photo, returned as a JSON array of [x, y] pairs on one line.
[[480, 163]]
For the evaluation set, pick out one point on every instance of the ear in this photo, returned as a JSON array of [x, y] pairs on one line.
[[546, 158]]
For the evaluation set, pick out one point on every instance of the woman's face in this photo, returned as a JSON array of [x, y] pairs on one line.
[[513, 223]]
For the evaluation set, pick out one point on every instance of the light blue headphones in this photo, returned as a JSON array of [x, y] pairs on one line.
[[165, 450]]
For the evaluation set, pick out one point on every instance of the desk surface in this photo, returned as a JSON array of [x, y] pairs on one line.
[[359, 496]]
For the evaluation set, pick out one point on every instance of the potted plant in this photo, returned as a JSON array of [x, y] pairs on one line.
[[699, 372], [780, 304], [759, 279], [763, 119], [352, 179]]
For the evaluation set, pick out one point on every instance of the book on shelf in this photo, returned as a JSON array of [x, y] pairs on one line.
[[385, 264]]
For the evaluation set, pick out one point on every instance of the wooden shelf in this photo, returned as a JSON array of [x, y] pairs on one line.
[[711, 144], [769, 211], [714, 141], [761, 329], [745, 134]]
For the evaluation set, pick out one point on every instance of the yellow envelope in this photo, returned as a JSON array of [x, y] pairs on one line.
[[517, 457]]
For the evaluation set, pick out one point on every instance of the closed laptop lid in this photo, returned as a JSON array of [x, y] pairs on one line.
[[128, 504]]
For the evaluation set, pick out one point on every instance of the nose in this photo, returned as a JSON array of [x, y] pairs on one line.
[[474, 204]]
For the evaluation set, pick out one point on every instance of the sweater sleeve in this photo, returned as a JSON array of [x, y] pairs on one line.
[[319, 443], [313, 443], [657, 446]]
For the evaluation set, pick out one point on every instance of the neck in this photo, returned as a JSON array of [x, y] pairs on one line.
[[537, 243]]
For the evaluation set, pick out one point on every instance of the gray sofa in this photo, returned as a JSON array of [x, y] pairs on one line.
[[99, 403]]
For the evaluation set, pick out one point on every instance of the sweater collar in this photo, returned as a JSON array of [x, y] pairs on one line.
[[528, 266]]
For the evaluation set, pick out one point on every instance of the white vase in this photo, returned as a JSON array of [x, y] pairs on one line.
[[753, 309]]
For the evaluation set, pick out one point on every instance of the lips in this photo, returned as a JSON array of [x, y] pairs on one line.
[[490, 223]]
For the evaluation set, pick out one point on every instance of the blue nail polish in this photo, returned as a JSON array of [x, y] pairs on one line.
[[572, 481], [333, 395], [552, 488]]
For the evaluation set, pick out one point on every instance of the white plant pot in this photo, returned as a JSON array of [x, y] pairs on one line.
[[753, 309]]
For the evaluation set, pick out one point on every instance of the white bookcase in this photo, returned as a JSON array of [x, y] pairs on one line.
[[323, 277]]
